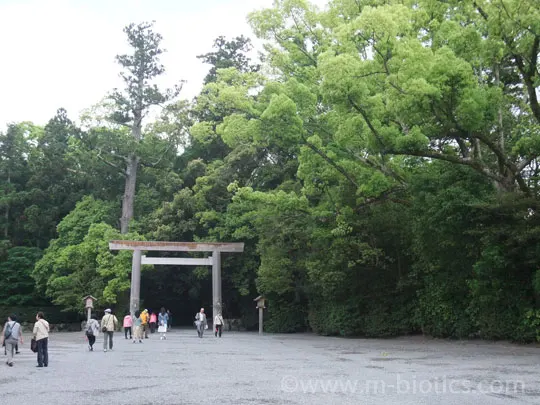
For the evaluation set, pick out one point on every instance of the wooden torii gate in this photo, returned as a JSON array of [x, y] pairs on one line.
[[214, 260]]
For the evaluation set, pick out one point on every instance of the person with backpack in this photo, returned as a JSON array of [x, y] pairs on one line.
[[11, 335], [92, 331], [109, 324], [41, 334]]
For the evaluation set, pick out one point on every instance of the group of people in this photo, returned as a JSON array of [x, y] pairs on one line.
[[148, 321], [12, 336], [201, 323], [135, 326]]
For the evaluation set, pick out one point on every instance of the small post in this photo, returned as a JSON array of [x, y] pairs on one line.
[[260, 305], [135, 293], [89, 304]]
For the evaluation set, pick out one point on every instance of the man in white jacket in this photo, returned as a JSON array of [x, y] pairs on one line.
[[109, 324], [200, 321], [41, 334]]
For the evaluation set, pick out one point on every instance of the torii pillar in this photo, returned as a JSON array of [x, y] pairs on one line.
[[138, 259]]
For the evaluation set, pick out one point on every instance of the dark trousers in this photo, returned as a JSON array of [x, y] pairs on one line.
[[152, 327], [91, 340], [126, 330], [108, 337], [43, 352], [219, 328]]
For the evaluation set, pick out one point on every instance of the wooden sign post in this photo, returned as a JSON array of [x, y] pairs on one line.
[[260, 305], [89, 305]]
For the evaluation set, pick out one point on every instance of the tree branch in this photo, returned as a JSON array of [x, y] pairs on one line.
[[480, 10], [528, 75], [453, 159], [109, 163], [386, 196], [335, 165], [159, 159], [526, 162], [368, 122]]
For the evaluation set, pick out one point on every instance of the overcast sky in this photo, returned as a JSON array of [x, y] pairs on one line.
[[60, 53]]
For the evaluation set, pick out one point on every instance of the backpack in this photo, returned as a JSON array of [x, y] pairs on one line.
[[8, 330], [89, 330]]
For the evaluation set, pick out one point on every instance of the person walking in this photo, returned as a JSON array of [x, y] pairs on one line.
[[11, 335], [109, 323], [128, 324], [218, 324], [153, 322], [145, 318], [41, 334], [92, 331], [200, 322], [163, 323], [138, 329], [169, 322]]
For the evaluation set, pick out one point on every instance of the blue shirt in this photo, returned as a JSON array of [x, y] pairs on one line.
[[163, 318]]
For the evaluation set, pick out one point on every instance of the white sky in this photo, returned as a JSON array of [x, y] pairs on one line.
[[60, 53]]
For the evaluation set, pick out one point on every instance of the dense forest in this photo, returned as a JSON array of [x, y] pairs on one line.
[[379, 160]]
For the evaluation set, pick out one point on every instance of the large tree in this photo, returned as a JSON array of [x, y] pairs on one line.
[[140, 69]]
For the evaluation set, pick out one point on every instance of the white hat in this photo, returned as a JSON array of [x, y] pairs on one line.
[[108, 310]]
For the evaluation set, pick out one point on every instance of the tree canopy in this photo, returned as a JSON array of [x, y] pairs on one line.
[[380, 162]]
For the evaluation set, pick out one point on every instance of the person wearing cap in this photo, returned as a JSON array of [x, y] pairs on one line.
[[109, 323]]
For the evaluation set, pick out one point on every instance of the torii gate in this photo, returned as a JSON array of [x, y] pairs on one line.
[[138, 259]]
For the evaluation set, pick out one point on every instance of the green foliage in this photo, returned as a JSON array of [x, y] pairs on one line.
[[16, 282], [530, 326], [79, 262], [382, 171]]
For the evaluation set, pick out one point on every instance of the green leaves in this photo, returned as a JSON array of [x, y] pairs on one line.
[[79, 262]]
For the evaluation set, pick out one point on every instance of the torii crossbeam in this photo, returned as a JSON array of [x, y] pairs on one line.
[[138, 259]]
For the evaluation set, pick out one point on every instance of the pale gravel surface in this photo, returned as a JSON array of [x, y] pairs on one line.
[[243, 368]]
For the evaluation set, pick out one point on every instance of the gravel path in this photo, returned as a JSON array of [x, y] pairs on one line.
[[244, 368]]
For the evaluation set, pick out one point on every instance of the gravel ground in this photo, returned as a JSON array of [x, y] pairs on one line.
[[244, 368]]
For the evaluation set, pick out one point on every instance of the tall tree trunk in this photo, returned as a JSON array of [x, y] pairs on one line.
[[6, 228], [128, 201]]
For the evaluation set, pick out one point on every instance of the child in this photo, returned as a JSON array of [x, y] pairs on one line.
[[138, 327], [128, 323]]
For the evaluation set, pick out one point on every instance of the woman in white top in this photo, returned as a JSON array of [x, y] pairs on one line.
[[41, 334], [11, 334], [92, 331], [218, 324]]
